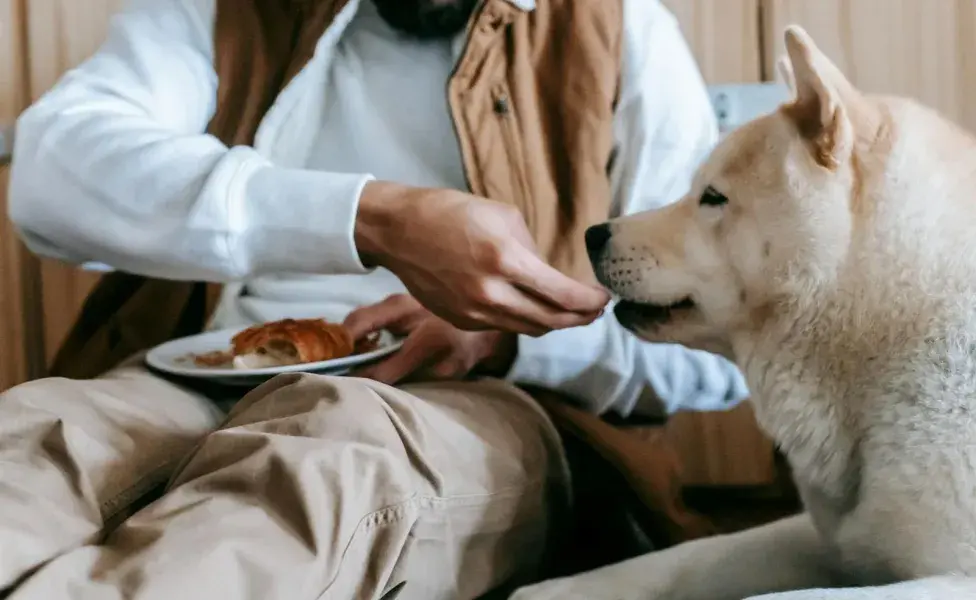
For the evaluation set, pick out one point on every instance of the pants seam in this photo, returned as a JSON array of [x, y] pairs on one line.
[[112, 507], [377, 517]]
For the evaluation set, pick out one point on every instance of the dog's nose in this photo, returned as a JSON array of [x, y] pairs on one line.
[[597, 237]]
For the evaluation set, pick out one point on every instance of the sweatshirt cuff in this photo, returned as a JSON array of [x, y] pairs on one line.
[[296, 221]]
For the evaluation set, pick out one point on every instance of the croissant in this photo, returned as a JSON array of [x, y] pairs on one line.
[[291, 342]]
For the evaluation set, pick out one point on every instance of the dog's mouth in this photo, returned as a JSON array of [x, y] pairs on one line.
[[640, 313]]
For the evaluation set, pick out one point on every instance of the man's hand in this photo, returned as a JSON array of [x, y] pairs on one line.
[[434, 349], [469, 260]]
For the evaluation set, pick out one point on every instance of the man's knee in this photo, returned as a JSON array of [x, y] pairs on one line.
[[42, 394], [337, 407], [315, 405], [312, 435], [459, 437]]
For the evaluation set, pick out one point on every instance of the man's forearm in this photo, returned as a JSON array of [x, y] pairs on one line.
[[113, 166], [117, 189]]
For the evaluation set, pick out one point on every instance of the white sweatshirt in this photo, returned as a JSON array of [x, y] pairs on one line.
[[112, 166]]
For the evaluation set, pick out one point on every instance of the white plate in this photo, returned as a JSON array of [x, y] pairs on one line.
[[175, 357]]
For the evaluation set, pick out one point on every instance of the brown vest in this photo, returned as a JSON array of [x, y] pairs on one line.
[[532, 100]]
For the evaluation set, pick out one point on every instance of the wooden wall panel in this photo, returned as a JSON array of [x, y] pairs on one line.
[[917, 48], [722, 448], [15, 314], [63, 33], [724, 35]]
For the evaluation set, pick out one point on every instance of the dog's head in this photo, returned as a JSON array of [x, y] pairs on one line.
[[768, 216]]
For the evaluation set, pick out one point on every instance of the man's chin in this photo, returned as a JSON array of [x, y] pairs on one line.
[[426, 19]]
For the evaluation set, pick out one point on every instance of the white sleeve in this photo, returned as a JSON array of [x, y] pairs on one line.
[[664, 127], [113, 166]]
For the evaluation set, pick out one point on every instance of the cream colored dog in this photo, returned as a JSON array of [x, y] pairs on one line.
[[830, 250]]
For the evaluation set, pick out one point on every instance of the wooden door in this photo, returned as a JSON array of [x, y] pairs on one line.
[[61, 34], [724, 448]]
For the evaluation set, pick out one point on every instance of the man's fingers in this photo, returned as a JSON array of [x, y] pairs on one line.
[[486, 312], [407, 324], [510, 308], [545, 282], [418, 351], [501, 320], [395, 312], [448, 368]]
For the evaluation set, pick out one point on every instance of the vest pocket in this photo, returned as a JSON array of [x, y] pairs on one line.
[[504, 111]]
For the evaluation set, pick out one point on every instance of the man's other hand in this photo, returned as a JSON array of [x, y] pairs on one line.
[[434, 349], [469, 260]]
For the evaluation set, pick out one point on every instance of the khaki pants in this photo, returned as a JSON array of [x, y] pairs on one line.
[[311, 487]]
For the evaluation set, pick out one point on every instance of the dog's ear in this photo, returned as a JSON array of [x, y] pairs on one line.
[[785, 70], [819, 108]]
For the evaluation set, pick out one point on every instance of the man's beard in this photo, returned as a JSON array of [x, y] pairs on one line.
[[426, 19]]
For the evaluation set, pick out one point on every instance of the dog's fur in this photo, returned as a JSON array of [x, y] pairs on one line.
[[841, 277]]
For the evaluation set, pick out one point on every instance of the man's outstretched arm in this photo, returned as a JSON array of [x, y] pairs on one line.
[[113, 166]]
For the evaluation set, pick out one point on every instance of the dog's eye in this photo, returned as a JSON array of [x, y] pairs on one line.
[[712, 197]]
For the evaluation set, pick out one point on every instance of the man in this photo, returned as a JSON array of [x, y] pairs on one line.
[[306, 153]]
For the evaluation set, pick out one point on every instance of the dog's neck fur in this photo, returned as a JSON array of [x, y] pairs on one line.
[[813, 388]]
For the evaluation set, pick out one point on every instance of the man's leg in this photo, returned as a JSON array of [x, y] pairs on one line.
[[76, 454], [340, 488]]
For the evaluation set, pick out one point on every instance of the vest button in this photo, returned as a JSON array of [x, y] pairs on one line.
[[501, 105]]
